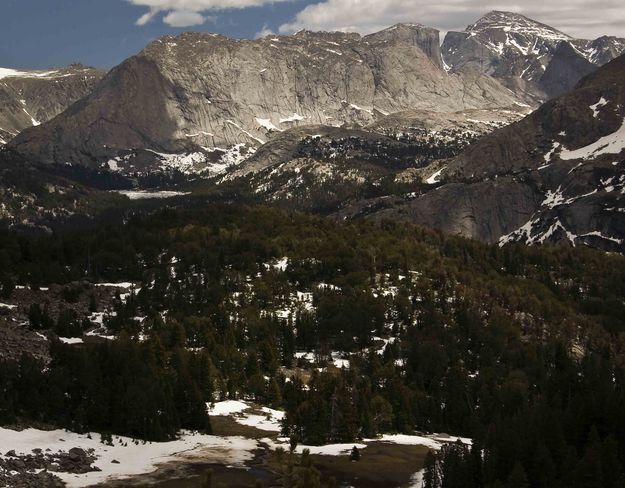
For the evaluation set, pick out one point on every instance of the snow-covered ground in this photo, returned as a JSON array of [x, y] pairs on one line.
[[268, 419], [13, 73], [227, 407], [265, 418], [145, 194], [128, 457], [132, 458]]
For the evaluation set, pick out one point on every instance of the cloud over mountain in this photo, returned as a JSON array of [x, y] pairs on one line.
[[187, 13], [581, 18]]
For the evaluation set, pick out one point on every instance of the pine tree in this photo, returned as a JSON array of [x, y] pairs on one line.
[[590, 472], [518, 477], [93, 303], [431, 478], [274, 395], [207, 481], [7, 287], [354, 454]]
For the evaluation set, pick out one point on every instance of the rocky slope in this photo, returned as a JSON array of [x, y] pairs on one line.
[[39, 196], [29, 98], [194, 91], [325, 169], [557, 175], [519, 52]]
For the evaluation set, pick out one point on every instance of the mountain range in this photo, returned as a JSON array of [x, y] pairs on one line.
[[197, 92], [510, 131]]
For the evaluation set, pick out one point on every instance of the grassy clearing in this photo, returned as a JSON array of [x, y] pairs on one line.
[[381, 465]]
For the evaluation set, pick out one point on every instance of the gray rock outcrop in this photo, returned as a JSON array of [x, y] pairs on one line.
[[29, 98], [205, 90], [556, 176]]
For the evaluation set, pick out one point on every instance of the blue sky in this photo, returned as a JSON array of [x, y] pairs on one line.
[[50, 33]]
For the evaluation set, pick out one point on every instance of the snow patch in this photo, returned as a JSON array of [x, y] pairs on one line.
[[611, 144], [146, 194], [553, 199], [595, 108], [13, 73], [361, 109], [234, 124], [329, 449], [601, 236], [200, 133], [266, 124], [270, 420], [123, 284], [293, 118], [432, 180], [227, 407], [112, 164], [71, 340], [266, 419], [549, 155]]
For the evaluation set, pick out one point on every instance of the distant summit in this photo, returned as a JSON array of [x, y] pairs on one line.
[[518, 50]]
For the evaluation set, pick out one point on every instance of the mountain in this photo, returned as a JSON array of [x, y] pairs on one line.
[[518, 51], [200, 92], [29, 98], [324, 169], [558, 175]]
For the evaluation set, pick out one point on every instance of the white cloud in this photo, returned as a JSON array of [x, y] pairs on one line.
[[146, 17], [183, 18], [186, 13], [264, 32], [579, 18]]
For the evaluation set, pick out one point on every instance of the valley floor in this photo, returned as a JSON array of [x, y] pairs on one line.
[[242, 450]]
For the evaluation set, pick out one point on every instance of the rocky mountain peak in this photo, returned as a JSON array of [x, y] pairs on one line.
[[518, 50], [425, 38], [515, 23], [603, 49]]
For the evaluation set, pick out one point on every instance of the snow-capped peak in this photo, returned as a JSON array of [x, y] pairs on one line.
[[13, 73], [517, 24]]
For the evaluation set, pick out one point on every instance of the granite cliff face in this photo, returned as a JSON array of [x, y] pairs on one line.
[[207, 91], [519, 52], [29, 98], [556, 176], [566, 68]]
